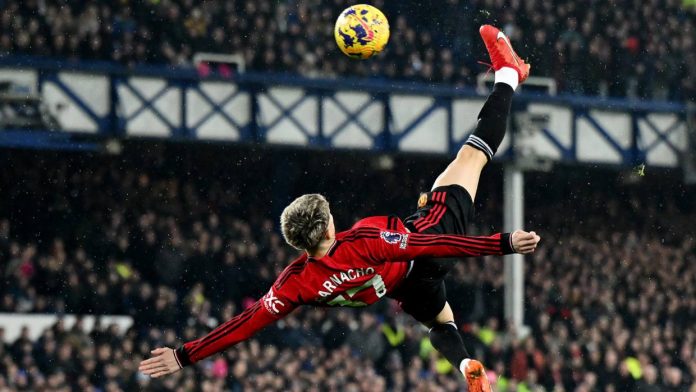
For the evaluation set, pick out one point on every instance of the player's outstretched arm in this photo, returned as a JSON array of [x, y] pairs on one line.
[[524, 242], [163, 362], [239, 328], [407, 246]]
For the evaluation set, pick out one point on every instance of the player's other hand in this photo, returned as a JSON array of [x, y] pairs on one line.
[[162, 363], [525, 242]]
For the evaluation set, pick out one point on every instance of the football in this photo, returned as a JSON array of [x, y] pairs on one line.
[[361, 31]]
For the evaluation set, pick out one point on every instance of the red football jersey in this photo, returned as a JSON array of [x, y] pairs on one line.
[[363, 265]]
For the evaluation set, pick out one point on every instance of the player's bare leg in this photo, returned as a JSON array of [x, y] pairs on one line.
[[510, 71], [465, 171]]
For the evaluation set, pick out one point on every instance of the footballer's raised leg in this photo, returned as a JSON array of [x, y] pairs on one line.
[[464, 171], [510, 71]]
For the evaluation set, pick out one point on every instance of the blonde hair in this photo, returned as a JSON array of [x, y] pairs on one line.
[[304, 222]]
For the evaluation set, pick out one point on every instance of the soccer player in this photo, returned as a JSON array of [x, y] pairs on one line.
[[384, 256]]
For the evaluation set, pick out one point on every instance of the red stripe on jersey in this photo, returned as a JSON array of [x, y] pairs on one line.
[[287, 272], [472, 240], [425, 219], [421, 219], [457, 243], [416, 222], [351, 239], [484, 240], [230, 325], [434, 196], [361, 236], [436, 219], [473, 245], [468, 250], [365, 231], [299, 262], [226, 328], [293, 270], [391, 222], [430, 217]]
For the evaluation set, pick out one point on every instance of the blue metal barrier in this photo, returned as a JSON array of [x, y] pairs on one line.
[[102, 100]]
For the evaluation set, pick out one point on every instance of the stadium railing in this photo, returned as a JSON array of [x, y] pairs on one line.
[[96, 101]]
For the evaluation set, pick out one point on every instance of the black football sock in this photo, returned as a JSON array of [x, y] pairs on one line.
[[492, 123], [447, 340]]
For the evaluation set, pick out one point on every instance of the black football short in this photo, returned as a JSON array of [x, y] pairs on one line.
[[444, 210]]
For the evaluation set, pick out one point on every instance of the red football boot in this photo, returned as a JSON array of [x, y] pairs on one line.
[[501, 52], [476, 375]]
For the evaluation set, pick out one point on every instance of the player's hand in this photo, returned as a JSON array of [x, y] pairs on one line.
[[162, 363], [525, 242]]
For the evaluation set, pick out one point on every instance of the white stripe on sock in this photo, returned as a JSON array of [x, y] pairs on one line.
[[508, 76], [478, 142], [463, 365]]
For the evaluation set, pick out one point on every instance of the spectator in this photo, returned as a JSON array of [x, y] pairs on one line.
[[613, 47], [609, 306]]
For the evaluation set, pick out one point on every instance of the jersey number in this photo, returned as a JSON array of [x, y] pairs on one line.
[[376, 282]]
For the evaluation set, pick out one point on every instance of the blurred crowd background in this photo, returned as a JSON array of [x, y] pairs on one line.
[[617, 48], [182, 239]]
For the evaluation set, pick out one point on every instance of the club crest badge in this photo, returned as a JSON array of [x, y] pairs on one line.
[[423, 200]]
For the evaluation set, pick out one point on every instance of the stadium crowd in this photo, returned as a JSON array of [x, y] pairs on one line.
[[618, 48], [181, 241]]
